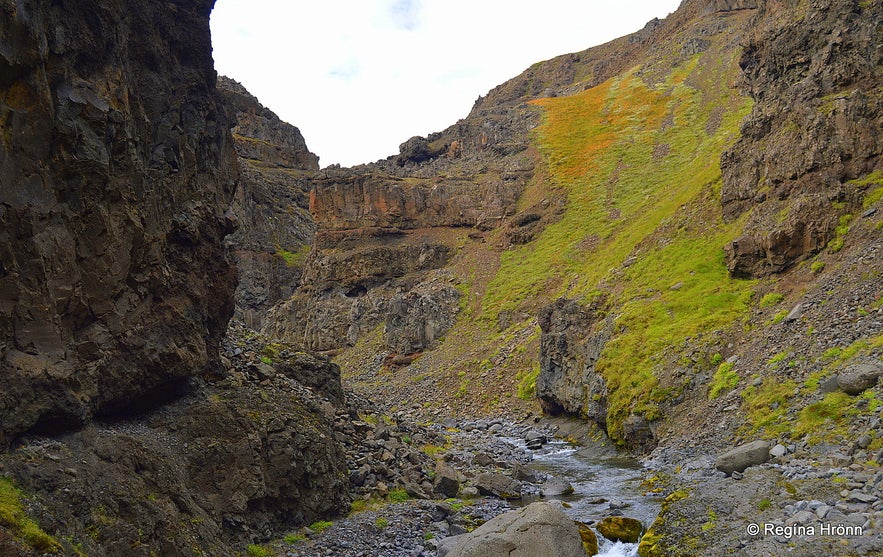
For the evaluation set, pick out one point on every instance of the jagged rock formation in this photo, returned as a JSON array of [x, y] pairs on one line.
[[116, 173], [130, 434], [814, 72], [271, 204], [219, 468], [570, 345]]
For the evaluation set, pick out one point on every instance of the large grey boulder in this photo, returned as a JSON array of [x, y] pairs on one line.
[[555, 487], [857, 378], [538, 529], [447, 481], [498, 485], [743, 456]]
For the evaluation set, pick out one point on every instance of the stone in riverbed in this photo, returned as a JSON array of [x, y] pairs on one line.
[[538, 529], [621, 529], [523, 474], [743, 456], [535, 440], [555, 487], [589, 539], [498, 485]]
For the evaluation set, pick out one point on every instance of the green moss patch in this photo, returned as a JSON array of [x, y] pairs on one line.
[[638, 221], [14, 517], [725, 379]]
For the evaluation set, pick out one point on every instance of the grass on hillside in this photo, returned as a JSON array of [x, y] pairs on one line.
[[777, 408], [638, 165], [642, 225], [14, 517]]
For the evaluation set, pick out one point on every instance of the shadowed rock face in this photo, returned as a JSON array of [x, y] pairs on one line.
[[115, 174], [117, 169], [571, 342], [271, 203], [813, 71], [212, 471]]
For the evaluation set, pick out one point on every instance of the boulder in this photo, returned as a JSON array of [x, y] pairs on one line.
[[498, 485], [743, 456], [538, 529], [621, 529], [859, 377], [446, 545], [555, 487], [446, 480], [523, 474], [534, 440], [312, 370], [589, 539]]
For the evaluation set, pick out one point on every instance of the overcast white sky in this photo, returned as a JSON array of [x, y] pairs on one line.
[[359, 77]]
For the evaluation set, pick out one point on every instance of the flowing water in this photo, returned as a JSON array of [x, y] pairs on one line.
[[598, 482]]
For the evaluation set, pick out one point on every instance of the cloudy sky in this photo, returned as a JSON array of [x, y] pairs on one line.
[[359, 77]]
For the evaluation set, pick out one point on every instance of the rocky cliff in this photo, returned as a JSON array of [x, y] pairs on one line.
[[124, 430], [592, 231], [117, 171], [386, 230], [813, 71], [271, 203]]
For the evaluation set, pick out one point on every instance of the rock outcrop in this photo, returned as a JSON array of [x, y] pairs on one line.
[[813, 71], [222, 467], [131, 434], [116, 171], [571, 342], [271, 204], [384, 233]]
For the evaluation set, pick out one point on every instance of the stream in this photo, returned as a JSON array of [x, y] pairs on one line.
[[597, 483]]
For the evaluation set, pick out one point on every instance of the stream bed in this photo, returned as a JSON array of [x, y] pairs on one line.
[[602, 486]]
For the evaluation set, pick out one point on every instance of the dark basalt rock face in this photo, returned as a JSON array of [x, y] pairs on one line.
[[128, 432], [571, 342], [813, 71], [222, 467], [116, 172], [271, 203]]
